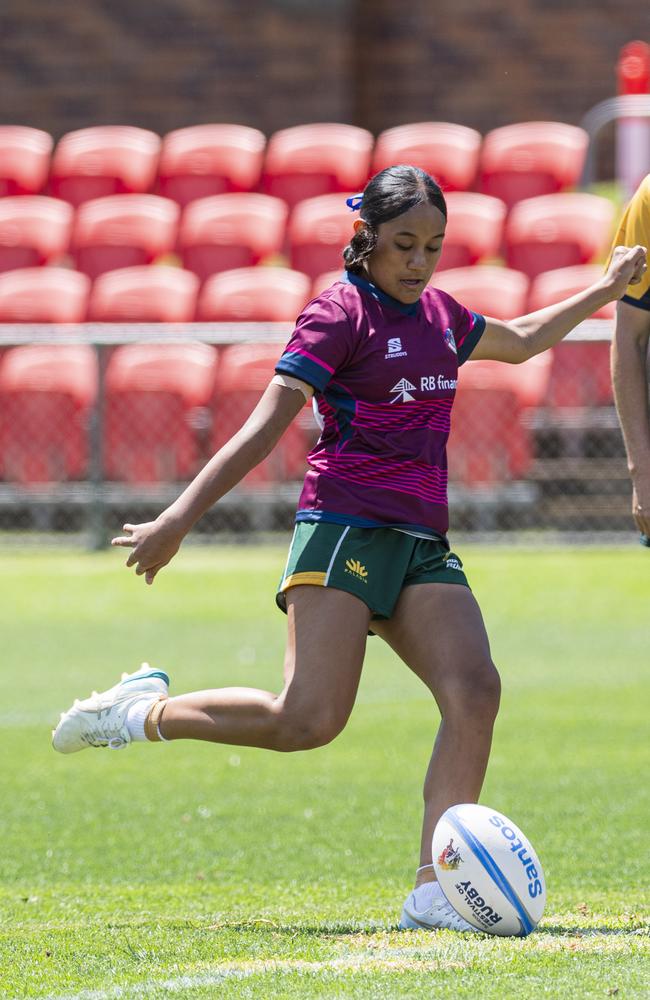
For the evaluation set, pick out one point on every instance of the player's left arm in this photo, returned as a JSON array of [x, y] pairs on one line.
[[519, 339]]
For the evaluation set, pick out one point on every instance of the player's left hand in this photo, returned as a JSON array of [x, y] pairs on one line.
[[626, 267]]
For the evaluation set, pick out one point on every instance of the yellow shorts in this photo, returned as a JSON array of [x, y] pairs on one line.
[[635, 228]]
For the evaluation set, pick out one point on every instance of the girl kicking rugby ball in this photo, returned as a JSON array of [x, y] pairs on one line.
[[379, 353]]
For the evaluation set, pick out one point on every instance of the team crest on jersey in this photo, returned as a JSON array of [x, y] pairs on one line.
[[449, 340], [402, 388]]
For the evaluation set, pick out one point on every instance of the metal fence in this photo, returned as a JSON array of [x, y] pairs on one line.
[[96, 429]]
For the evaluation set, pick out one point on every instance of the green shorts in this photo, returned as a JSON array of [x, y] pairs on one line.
[[374, 564]]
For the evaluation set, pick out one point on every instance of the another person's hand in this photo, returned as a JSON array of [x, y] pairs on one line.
[[154, 544], [641, 503], [626, 267]]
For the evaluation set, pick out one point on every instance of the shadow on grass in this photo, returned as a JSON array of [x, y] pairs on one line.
[[369, 930], [562, 930], [313, 930]]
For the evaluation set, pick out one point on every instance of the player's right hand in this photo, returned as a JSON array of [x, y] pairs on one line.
[[154, 544], [626, 267]]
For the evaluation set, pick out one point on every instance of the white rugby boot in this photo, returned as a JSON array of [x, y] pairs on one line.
[[426, 908], [101, 720]]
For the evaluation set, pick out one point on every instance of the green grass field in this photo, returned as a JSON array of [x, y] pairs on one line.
[[199, 871]]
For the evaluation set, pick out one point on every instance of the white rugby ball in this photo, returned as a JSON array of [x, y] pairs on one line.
[[488, 870]]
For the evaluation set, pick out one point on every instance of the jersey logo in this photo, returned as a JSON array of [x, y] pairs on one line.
[[449, 340], [402, 388], [395, 348]]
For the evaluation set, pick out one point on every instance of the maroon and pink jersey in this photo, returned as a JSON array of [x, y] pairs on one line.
[[385, 378]]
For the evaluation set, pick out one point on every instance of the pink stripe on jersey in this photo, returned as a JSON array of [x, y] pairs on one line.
[[412, 477], [312, 357], [433, 414]]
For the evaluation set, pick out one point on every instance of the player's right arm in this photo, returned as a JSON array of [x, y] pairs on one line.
[[155, 543], [630, 381]]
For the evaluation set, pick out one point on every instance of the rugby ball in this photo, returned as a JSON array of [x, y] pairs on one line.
[[488, 870]]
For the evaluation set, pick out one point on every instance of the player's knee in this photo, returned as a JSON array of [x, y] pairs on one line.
[[490, 688], [306, 729], [476, 692]]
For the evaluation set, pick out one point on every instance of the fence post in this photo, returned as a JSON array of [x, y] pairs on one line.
[[96, 525]]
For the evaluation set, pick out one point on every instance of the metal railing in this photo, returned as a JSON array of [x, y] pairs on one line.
[[626, 106]]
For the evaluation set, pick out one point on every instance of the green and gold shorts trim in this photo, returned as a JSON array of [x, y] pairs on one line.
[[374, 564]]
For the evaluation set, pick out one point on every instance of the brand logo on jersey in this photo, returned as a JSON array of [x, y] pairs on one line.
[[395, 348], [402, 388], [432, 383], [449, 340], [354, 567]]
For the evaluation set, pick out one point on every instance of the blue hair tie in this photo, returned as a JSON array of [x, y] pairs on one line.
[[354, 203]]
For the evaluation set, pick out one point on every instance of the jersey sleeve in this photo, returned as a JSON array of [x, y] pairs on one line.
[[634, 229], [320, 345], [468, 331]]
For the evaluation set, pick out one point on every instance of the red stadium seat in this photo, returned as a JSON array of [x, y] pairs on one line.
[[319, 229], [309, 160], [243, 374], [532, 158], [474, 229], [557, 230], [488, 444], [580, 375], [254, 295], [492, 291], [123, 230], [203, 160], [448, 152], [106, 159], [231, 230], [553, 286], [145, 294], [326, 280], [528, 381], [157, 399], [24, 159], [46, 393], [43, 295], [34, 230]]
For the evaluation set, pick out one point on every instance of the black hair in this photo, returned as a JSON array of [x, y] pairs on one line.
[[388, 194]]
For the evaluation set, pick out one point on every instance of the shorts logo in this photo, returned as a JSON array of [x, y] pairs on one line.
[[402, 388], [450, 858], [395, 348], [452, 562], [354, 567], [449, 340]]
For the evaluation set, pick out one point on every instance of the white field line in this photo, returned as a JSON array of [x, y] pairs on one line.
[[244, 970], [392, 959]]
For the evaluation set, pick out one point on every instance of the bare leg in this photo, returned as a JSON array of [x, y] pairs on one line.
[[438, 631], [326, 644]]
